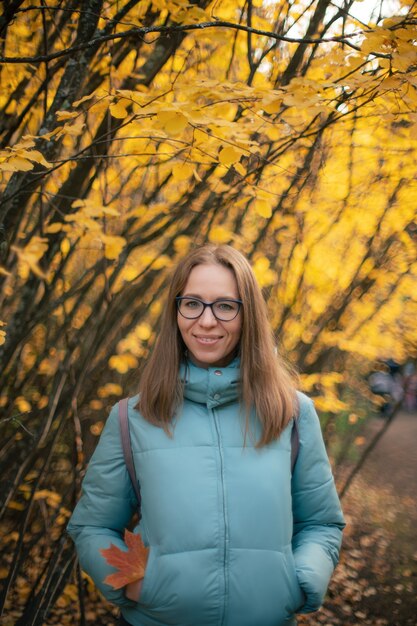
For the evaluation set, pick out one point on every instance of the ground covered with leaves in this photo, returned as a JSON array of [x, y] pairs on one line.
[[375, 583]]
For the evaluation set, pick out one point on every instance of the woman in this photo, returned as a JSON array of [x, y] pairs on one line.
[[234, 539]]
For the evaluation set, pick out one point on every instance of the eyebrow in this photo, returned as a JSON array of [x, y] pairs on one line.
[[194, 295]]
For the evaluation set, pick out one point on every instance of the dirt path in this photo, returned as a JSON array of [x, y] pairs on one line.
[[393, 463], [375, 583]]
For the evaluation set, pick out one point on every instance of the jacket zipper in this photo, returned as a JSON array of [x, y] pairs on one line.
[[226, 536]]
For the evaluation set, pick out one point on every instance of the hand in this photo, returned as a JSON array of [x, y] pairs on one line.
[[132, 590]]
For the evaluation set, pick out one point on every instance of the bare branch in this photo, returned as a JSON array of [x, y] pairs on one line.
[[140, 32]]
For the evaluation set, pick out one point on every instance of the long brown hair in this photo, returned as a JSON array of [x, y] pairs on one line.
[[266, 383]]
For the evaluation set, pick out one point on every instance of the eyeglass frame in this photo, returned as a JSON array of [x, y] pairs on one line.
[[208, 304]]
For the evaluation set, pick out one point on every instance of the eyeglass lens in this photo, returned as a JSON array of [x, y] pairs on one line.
[[224, 310]]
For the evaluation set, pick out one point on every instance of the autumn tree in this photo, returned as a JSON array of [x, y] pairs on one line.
[[131, 131]]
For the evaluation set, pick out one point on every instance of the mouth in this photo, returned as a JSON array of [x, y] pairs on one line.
[[207, 340]]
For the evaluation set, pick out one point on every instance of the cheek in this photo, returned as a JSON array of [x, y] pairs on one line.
[[183, 325], [237, 331]]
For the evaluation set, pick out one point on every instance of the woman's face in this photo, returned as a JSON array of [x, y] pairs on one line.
[[210, 342]]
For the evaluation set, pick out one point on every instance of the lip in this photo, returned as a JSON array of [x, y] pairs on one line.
[[207, 340]]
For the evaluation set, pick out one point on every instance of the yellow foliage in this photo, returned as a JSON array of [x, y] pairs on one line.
[[143, 331], [161, 261], [264, 274], [182, 244], [2, 333], [22, 404], [262, 208], [113, 245], [123, 362], [229, 155], [109, 389], [171, 121], [96, 405], [182, 171], [118, 109], [329, 404], [29, 257], [51, 497], [218, 234], [43, 402], [95, 429]]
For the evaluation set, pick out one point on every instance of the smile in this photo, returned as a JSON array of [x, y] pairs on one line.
[[207, 340]]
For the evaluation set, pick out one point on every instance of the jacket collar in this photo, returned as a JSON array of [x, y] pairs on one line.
[[213, 386]]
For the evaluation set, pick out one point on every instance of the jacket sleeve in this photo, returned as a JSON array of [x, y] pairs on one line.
[[317, 515], [104, 510]]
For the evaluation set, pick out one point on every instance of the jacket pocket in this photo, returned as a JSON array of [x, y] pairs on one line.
[[179, 588], [261, 588], [297, 594]]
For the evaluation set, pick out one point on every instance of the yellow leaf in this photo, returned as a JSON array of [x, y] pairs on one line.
[[52, 498], [240, 169], [182, 243], [219, 234], [123, 362], [17, 506], [263, 208], [22, 404], [66, 115], [95, 429], [19, 164], [96, 405], [2, 337], [229, 155], [43, 402], [173, 122], [65, 246], [113, 246], [143, 331], [182, 171], [73, 130], [112, 212], [118, 109], [56, 227], [162, 261], [272, 106], [264, 275], [110, 389], [84, 99], [130, 272], [5, 167], [34, 155]]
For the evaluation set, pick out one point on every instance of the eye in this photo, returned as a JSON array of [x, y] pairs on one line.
[[226, 306], [191, 304]]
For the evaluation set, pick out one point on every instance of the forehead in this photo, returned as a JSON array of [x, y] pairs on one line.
[[211, 281]]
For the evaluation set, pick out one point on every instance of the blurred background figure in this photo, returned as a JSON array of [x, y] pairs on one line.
[[410, 387], [386, 381]]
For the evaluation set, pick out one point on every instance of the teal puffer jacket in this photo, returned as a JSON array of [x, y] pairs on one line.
[[234, 541]]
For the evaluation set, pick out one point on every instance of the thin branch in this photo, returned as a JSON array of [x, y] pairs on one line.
[[167, 30]]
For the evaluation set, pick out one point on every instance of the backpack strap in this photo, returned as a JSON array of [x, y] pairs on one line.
[[295, 443], [127, 448]]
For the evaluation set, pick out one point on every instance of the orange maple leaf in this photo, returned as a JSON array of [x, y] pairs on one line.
[[130, 564]]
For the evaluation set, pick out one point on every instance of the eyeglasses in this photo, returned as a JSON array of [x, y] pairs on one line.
[[224, 310]]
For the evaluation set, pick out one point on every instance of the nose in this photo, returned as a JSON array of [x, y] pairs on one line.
[[207, 318]]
